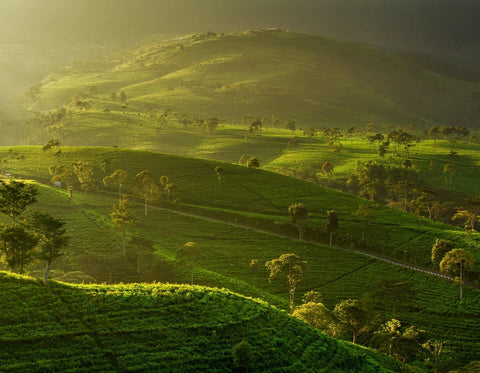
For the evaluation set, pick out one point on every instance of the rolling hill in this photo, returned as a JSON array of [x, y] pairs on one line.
[[245, 220], [168, 328], [265, 73]]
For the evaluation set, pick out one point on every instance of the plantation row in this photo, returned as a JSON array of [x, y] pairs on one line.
[[120, 329]]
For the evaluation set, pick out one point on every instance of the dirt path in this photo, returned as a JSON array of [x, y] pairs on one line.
[[364, 253]]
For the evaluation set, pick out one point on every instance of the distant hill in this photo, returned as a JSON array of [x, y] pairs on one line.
[[166, 328], [305, 78]]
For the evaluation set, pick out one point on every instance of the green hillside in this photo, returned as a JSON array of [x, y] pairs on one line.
[[168, 328], [259, 200], [306, 78]]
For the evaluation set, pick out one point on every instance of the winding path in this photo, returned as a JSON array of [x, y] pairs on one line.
[[360, 252]]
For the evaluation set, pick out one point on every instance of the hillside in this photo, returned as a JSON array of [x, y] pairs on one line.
[[166, 328], [305, 78], [247, 220]]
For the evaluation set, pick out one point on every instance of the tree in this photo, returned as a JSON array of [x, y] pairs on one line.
[[84, 172], [122, 218], [448, 171], [188, 255], [254, 267], [332, 224], [311, 296], [455, 262], [469, 219], [211, 124], [439, 249], [142, 249], [146, 187], [290, 125], [327, 168], [15, 197], [436, 348], [18, 247], [365, 212], [253, 163], [123, 96], [117, 178], [66, 176], [242, 355], [350, 317], [52, 239], [219, 171], [298, 214], [315, 314], [290, 267], [404, 345], [310, 132]]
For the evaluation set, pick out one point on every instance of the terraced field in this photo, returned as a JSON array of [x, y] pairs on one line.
[[256, 199], [174, 328]]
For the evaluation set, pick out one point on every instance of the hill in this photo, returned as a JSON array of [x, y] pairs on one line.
[[300, 77], [172, 328], [245, 220]]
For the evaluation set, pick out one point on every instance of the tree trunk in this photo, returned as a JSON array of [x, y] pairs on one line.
[[45, 273], [124, 250], [354, 337], [461, 281], [331, 238], [146, 208], [291, 292]]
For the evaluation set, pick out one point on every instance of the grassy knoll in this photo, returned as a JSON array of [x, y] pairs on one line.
[[159, 328]]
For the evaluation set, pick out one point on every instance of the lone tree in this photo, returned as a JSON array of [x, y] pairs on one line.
[[290, 267], [52, 239], [15, 197], [332, 224], [146, 187], [455, 262], [299, 216], [219, 172], [117, 178], [439, 249], [122, 218], [18, 246], [188, 255]]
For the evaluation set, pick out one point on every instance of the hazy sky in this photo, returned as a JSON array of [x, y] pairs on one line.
[[383, 21]]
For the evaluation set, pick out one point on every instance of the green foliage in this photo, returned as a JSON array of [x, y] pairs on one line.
[[439, 249], [15, 197], [298, 214], [290, 266], [18, 247], [158, 327]]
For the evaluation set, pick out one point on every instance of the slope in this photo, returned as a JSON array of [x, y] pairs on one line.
[[307, 78], [159, 327]]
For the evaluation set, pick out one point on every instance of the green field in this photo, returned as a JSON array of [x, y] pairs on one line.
[[255, 199]]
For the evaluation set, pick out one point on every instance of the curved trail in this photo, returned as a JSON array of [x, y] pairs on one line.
[[364, 253]]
